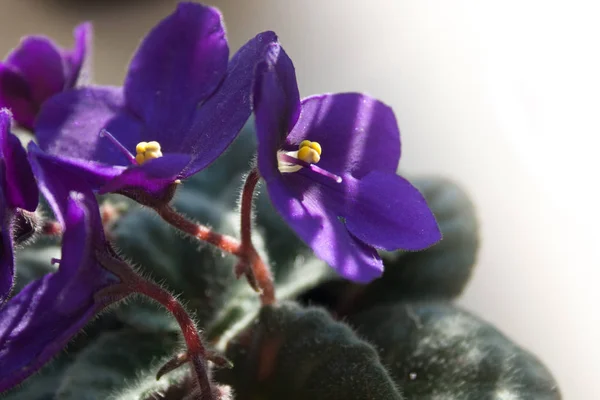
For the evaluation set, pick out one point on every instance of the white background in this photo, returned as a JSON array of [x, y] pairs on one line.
[[504, 97]]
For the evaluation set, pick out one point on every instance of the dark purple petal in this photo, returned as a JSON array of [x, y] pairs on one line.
[[153, 176], [16, 95], [276, 106], [219, 120], [322, 229], [19, 187], [69, 124], [77, 60], [80, 172], [40, 63], [357, 133], [39, 321], [387, 212], [7, 258], [177, 66]]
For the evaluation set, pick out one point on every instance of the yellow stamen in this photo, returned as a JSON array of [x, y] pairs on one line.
[[147, 151], [309, 152]]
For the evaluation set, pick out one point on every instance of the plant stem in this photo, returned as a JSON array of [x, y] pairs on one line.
[[133, 283], [260, 271], [225, 243], [250, 263]]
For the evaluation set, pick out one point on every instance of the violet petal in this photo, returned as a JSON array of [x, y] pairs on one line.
[[222, 116], [388, 212], [318, 225], [70, 123], [357, 133], [177, 66], [19, 186], [276, 107]]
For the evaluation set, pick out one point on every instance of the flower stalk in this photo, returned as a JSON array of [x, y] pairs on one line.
[[250, 263]]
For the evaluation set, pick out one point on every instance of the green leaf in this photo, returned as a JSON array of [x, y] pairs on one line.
[[438, 351], [301, 353], [113, 362], [175, 385], [440, 272]]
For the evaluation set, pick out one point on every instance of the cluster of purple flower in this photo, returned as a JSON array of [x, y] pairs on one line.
[[329, 163]]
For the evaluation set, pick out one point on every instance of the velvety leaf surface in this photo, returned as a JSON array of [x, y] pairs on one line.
[[438, 351], [440, 272], [113, 362], [301, 353]]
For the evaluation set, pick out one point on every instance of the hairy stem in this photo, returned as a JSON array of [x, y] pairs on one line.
[[196, 354], [260, 271], [196, 350], [225, 243], [250, 263]]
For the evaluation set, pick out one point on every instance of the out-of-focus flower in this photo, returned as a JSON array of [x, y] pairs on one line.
[[18, 192], [39, 69], [38, 321], [353, 202]]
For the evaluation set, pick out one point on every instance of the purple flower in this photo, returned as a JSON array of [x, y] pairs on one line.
[[353, 202], [18, 191], [39, 69], [181, 106], [38, 322]]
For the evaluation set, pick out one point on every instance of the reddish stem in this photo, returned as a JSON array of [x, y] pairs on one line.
[[133, 283], [226, 243], [251, 264], [196, 350], [260, 271]]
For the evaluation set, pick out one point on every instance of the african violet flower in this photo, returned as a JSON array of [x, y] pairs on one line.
[[18, 191], [39, 69], [353, 202], [38, 322], [181, 106]]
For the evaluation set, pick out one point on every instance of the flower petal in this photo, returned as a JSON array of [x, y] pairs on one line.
[[40, 62], [153, 176], [16, 95], [357, 133], [387, 212], [177, 66], [7, 258], [80, 173], [39, 321], [276, 106], [77, 69], [69, 124], [319, 226], [223, 115], [19, 186]]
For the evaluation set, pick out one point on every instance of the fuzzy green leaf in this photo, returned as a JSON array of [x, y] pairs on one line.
[[113, 362], [301, 353], [438, 351]]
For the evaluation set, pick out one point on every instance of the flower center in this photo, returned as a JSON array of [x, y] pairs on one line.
[[147, 151], [144, 150], [308, 154]]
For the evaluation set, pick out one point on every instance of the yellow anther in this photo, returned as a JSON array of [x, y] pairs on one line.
[[309, 152], [309, 155], [147, 151], [153, 146], [316, 147], [141, 147], [304, 143]]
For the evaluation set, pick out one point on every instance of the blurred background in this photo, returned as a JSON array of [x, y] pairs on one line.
[[503, 97]]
